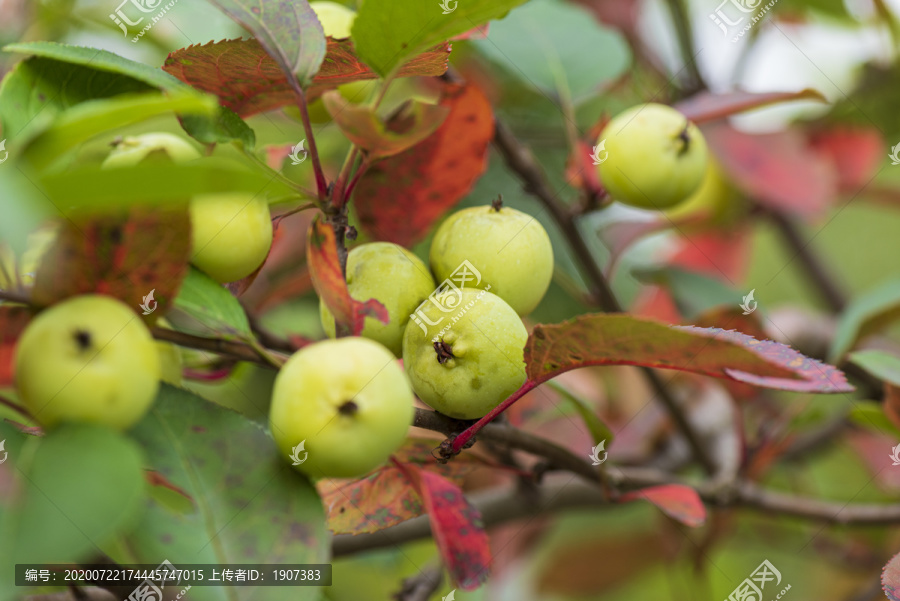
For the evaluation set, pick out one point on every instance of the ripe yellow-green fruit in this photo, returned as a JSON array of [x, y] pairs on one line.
[[393, 276], [231, 234], [657, 158], [346, 401], [510, 250], [716, 201], [87, 359], [131, 150], [465, 356]]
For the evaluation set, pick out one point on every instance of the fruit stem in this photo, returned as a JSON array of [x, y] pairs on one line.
[[497, 203]]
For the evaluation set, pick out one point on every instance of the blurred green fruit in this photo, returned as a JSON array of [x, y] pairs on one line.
[[347, 401], [657, 158], [509, 249], [131, 150], [392, 275], [716, 201], [87, 359], [471, 358]]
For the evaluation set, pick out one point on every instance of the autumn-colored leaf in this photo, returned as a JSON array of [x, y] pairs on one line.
[[13, 320], [890, 578], [611, 339], [124, 256], [679, 502], [400, 198], [248, 81], [410, 124], [707, 106], [778, 169], [384, 498], [330, 285], [619, 236], [856, 154], [456, 527]]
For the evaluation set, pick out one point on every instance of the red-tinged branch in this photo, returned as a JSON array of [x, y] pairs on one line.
[[461, 440], [321, 181]]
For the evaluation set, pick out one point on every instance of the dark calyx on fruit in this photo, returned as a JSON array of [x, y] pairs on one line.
[[685, 139], [348, 408], [444, 351], [82, 339]]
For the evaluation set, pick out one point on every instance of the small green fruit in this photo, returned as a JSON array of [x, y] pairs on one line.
[[347, 401], [391, 275], [131, 150], [510, 250], [464, 352], [87, 359], [231, 234], [657, 158], [716, 201]]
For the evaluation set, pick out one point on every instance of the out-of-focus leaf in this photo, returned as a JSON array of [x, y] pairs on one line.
[[549, 44], [599, 430], [384, 498], [388, 34], [206, 308], [399, 199], [679, 502], [411, 124], [225, 126], [883, 366], [124, 256], [776, 169], [707, 106], [692, 292], [865, 313], [456, 526], [328, 280], [856, 154], [13, 320], [250, 505], [255, 84], [873, 100], [610, 339], [289, 31], [88, 119], [870, 415]]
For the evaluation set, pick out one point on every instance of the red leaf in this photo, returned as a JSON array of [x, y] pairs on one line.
[[400, 198], [778, 170], [581, 171], [856, 154], [890, 578], [248, 81], [456, 527], [618, 237], [330, 285], [707, 106], [13, 320], [123, 256], [384, 498], [410, 124], [679, 502], [611, 339]]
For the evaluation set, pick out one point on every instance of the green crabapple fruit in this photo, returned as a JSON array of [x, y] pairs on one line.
[[716, 201], [231, 234], [392, 275], [347, 401], [87, 359], [131, 150], [463, 352], [508, 249], [657, 158]]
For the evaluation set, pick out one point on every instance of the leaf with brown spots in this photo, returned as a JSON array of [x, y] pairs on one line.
[[384, 498], [677, 501], [328, 280], [123, 256], [13, 320], [248, 81], [611, 339], [399, 199]]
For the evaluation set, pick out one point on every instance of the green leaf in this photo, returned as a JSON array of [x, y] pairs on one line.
[[548, 44], [870, 415], [599, 431], [692, 292], [80, 485], [226, 126], [289, 31], [250, 506], [80, 123], [865, 313], [206, 308], [882, 365], [387, 33]]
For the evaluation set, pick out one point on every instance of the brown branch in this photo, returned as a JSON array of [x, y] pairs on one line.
[[228, 348], [421, 586]]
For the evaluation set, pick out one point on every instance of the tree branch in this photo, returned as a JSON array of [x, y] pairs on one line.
[[228, 348]]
